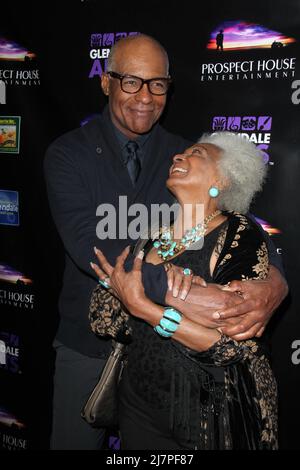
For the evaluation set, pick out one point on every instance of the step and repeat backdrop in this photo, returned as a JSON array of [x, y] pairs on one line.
[[235, 67]]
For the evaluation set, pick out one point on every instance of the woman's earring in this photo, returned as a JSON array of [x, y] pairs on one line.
[[213, 192]]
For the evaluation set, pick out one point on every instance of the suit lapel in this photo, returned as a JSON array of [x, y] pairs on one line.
[[112, 155]]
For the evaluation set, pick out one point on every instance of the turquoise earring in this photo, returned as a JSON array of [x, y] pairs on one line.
[[213, 192]]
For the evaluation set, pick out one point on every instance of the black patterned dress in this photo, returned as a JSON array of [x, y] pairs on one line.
[[224, 397]]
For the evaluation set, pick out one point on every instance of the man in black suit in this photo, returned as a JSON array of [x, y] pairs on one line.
[[125, 152]]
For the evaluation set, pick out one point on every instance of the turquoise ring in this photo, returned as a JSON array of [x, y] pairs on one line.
[[104, 283], [187, 272]]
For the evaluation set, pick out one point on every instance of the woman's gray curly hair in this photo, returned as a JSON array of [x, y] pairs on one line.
[[242, 165]]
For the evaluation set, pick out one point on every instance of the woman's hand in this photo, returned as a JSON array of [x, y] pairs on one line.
[[180, 283], [127, 286]]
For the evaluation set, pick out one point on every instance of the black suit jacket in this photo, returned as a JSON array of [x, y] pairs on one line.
[[83, 169]]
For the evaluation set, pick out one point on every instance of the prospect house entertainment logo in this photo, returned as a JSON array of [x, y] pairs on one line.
[[227, 54]]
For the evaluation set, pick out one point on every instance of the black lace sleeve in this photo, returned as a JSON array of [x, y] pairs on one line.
[[244, 256], [227, 352]]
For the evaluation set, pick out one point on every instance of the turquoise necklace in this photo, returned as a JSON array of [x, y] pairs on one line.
[[167, 247]]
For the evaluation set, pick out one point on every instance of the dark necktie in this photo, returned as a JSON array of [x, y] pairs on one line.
[[132, 160]]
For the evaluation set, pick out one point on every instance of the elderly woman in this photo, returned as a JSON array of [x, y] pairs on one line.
[[186, 386]]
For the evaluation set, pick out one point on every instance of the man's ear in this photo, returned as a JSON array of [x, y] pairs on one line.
[[105, 83]]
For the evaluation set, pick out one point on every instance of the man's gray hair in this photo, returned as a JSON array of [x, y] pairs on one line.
[[242, 165]]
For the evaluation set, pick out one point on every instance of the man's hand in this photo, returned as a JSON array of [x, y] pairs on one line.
[[242, 315], [202, 304], [261, 298]]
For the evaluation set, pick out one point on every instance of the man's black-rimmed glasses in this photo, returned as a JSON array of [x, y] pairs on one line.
[[132, 84]]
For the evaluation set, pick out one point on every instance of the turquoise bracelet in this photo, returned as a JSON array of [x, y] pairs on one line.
[[168, 325], [172, 314], [166, 334], [169, 322]]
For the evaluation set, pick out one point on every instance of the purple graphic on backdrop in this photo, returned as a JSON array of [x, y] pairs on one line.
[[101, 44], [236, 35], [114, 443], [9, 274], [237, 123], [255, 128], [267, 227], [10, 50], [10, 420], [99, 40], [16, 290], [219, 124], [264, 123], [248, 123], [233, 123]]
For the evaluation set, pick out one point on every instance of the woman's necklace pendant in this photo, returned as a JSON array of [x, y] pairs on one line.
[[167, 247]]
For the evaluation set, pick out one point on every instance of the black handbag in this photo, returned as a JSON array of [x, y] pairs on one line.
[[101, 408]]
